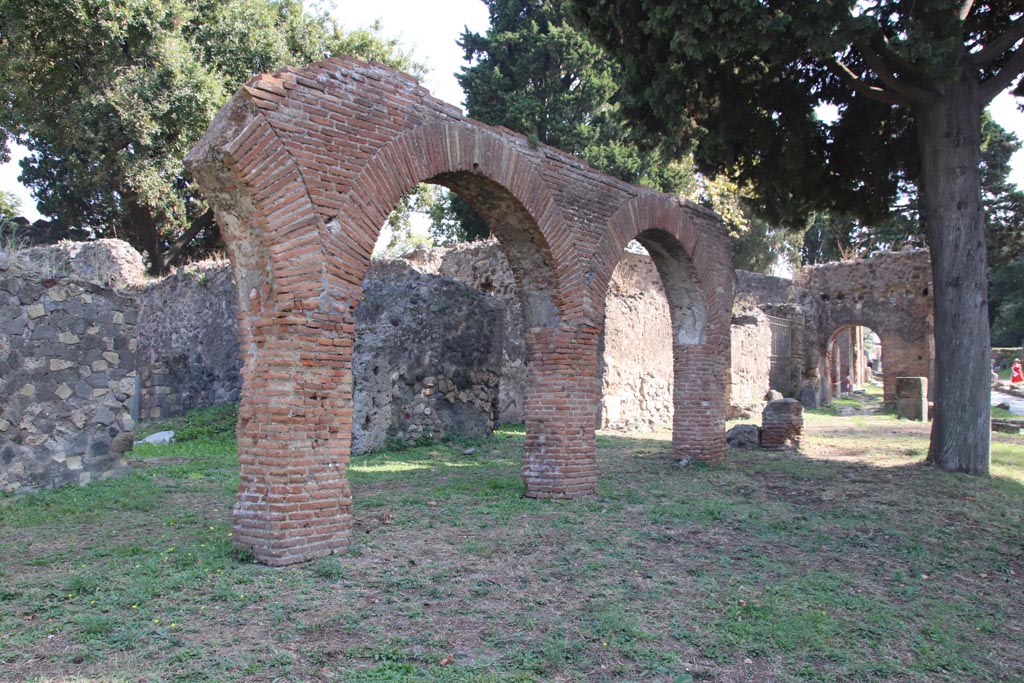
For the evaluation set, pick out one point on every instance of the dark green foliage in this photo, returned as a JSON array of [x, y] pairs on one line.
[[831, 236], [1006, 303], [743, 83], [110, 95], [535, 73], [1004, 201], [453, 220]]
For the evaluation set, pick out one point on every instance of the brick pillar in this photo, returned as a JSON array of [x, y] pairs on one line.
[[699, 395], [782, 424], [561, 400], [294, 432]]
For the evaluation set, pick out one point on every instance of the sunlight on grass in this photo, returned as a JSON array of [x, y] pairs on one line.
[[847, 561], [392, 466]]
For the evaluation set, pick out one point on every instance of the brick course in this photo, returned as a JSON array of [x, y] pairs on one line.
[[302, 169]]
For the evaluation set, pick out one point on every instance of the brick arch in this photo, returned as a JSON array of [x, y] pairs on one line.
[[304, 165], [502, 184], [900, 357], [505, 188], [889, 293], [695, 266]]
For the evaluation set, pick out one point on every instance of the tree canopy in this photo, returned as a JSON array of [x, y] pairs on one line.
[[908, 79], [536, 73], [109, 95]]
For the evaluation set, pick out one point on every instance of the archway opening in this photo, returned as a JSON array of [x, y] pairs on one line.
[[854, 363], [430, 336], [443, 337], [655, 315], [635, 361]]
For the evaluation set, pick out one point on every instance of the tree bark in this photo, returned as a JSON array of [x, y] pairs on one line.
[[949, 141], [143, 229]]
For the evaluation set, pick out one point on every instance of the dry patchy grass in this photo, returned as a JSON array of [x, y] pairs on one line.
[[849, 561]]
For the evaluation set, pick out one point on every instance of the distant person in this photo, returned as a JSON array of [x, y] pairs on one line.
[[995, 375], [1016, 374]]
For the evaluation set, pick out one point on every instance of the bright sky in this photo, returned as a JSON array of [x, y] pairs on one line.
[[430, 30]]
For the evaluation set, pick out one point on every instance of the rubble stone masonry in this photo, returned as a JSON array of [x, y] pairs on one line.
[[67, 375]]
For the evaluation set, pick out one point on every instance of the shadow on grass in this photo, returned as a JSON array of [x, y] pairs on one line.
[[845, 565]]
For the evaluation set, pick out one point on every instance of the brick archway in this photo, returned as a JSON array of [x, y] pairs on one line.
[[303, 167], [695, 266], [888, 293]]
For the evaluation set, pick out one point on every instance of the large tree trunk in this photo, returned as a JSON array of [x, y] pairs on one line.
[[949, 139], [145, 236]]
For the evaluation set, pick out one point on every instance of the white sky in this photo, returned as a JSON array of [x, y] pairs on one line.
[[430, 30]]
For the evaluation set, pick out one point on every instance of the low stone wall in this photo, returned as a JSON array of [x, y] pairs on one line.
[[782, 424], [106, 263], [751, 362], [67, 376]]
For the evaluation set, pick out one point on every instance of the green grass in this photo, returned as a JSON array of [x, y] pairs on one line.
[[849, 562], [1004, 414]]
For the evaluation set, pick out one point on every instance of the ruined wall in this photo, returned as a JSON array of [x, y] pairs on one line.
[[188, 341], [67, 375], [636, 351], [762, 290], [890, 293], [105, 263], [427, 359], [751, 361], [482, 265]]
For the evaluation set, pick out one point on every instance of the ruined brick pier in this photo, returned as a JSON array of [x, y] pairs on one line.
[[303, 167]]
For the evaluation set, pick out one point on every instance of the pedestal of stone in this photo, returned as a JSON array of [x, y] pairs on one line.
[[912, 398], [782, 424]]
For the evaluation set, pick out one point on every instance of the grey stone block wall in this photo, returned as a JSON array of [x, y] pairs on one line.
[[67, 375], [427, 360], [188, 341]]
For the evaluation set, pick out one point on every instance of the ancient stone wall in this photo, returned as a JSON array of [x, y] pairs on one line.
[[483, 266], [411, 333], [764, 290], [636, 350], [427, 361], [751, 361], [67, 375], [635, 362], [889, 293], [188, 341], [110, 263]]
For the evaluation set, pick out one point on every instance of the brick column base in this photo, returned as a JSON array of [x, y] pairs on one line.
[[560, 409], [294, 427], [698, 418]]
